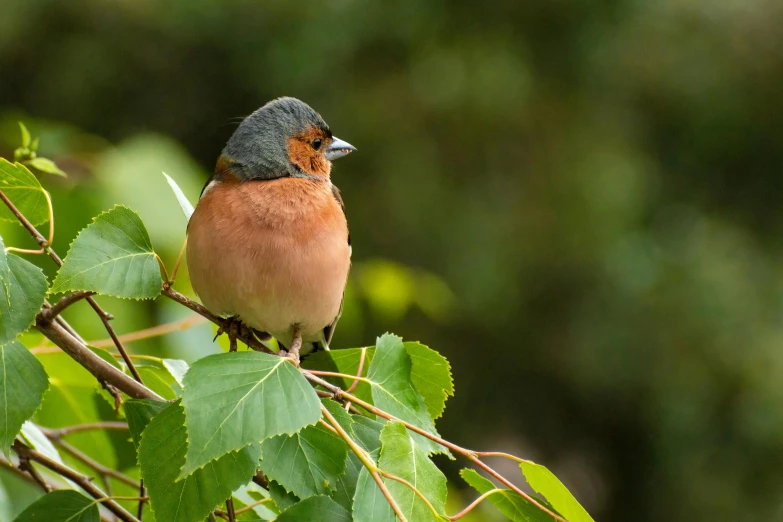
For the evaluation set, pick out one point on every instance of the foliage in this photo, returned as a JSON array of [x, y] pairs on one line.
[[240, 435]]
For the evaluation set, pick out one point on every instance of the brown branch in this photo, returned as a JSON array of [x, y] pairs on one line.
[[56, 433], [24, 465], [9, 466], [76, 477], [224, 324], [66, 301], [232, 517], [94, 464], [95, 365]]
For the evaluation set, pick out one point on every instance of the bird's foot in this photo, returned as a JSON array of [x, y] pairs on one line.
[[296, 345], [234, 328]]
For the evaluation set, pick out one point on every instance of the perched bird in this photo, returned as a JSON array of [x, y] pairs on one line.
[[268, 243]]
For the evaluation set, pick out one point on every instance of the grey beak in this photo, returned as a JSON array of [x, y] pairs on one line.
[[338, 149]]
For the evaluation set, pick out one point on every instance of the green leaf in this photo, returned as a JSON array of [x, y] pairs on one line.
[[138, 413], [510, 503], [45, 165], [112, 256], [431, 376], [177, 368], [235, 399], [284, 499], [24, 191], [160, 381], [186, 206], [369, 502], [34, 145], [367, 432], [61, 506], [393, 391], [25, 135], [251, 493], [403, 457], [430, 372], [320, 508], [23, 382], [306, 463], [546, 483], [161, 454], [346, 483], [22, 292]]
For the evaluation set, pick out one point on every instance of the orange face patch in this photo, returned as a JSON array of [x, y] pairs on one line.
[[303, 155]]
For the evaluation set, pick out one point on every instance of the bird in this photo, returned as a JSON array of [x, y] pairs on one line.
[[268, 244]]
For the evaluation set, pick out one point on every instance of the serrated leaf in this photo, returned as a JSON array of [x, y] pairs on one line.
[[403, 457], [22, 292], [284, 499], [45, 165], [61, 506], [23, 382], [250, 494], [431, 376], [24, 191], [25, 134], [320, 508], [547, 484], [235, 399], [508, 502], [393, 391], [306, 463], [138, 413], [430, 372], [346, 483], [161, 454], [186, 206], [112, 256]]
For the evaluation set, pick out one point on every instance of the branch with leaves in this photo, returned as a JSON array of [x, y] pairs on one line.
[[347, 436]]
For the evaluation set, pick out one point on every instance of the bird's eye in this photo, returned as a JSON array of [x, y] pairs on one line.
[[317, 143]]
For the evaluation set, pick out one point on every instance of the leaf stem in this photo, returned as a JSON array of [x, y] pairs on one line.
[[474, 504], [412, 487], [336, 374], [163, 270], [24, 250], [355, 383], [386, 493], [178, 261]]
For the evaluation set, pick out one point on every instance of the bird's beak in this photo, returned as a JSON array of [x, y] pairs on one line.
[[338, 149]]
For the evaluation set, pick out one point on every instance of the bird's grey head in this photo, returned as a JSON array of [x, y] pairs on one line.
[[266, 143]]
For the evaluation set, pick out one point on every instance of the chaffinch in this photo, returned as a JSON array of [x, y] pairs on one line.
[[268, 243]]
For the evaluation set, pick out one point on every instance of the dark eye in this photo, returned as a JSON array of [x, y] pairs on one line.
[[317, 143]]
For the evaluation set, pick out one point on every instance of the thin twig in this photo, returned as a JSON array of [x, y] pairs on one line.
[[26, 466], [66, 301], [386, 493], [9, 466], [232, 517], [178, 261], [142, 493], [97, 466], [76, 477], [413, 488], [155, 331], [340, 375], [474, 504], [56, 433]]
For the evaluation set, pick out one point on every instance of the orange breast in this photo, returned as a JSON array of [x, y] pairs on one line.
[[275, 253]]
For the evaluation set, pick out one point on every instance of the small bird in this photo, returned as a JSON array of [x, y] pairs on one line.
[[268, 243]]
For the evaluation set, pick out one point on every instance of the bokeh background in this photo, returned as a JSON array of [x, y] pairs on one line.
[[578, 203]]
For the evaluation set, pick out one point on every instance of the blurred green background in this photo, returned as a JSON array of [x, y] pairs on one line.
[[578, 203]]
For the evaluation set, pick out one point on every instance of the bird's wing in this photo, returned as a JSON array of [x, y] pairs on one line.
[[329, 330]]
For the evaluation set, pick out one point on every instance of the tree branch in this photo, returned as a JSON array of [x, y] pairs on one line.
[[249, 340], [57, 308], [155, 331], [97, 466], [83, 481], [94, 364]]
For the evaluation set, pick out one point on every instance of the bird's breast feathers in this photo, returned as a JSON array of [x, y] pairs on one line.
[[273, 252]]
